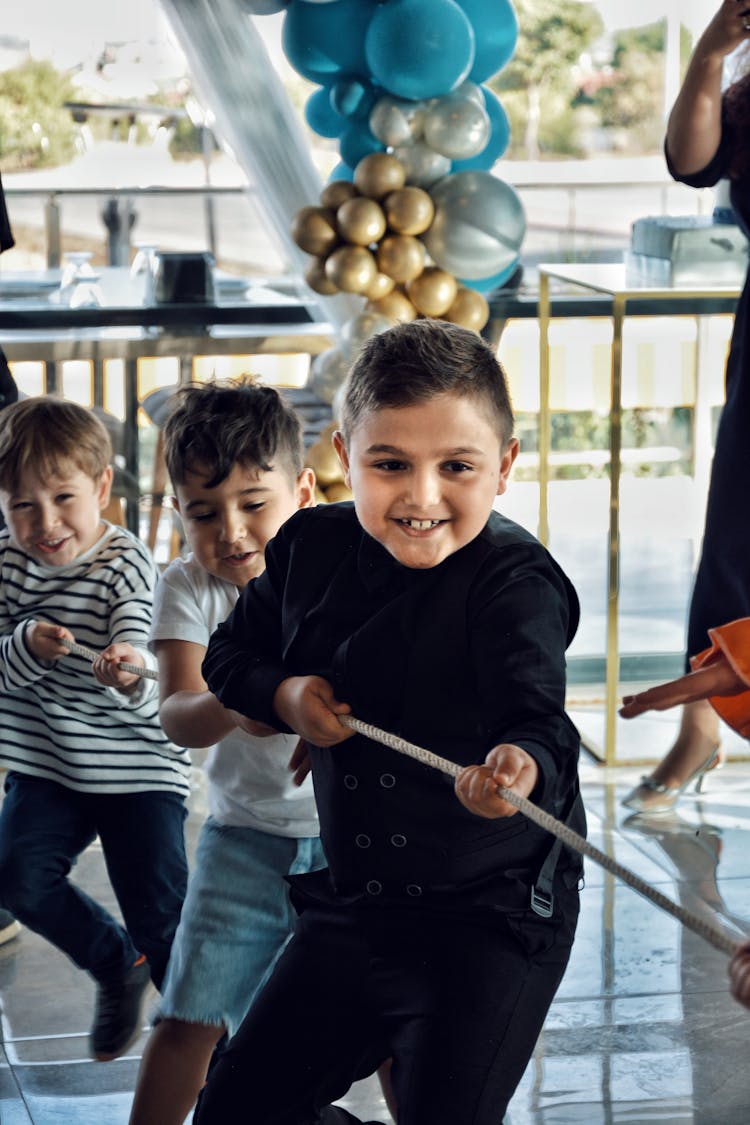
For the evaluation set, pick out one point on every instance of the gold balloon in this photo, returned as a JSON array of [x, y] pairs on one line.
[[381, 285], [395, 305], [361, 221], [433, 292], [322, 459], [314, 230], [401, 256], [379, 173], [315, 276], [409, 210], [351, 268], [338, 491], [470, 309], [336, 193], [320, 496]]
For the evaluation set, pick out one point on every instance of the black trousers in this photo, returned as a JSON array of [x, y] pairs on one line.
[[456, 1002]]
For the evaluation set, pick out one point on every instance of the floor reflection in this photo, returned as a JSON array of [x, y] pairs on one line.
[[642, 1030]]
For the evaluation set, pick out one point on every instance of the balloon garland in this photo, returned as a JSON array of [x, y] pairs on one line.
[[412, 219]]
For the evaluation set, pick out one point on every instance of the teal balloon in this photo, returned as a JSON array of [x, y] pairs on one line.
[[357, 141], [264, 7], [341, 172], [324, 42], [498, 142], [321, 116], [486, 284], [495, 29], [419, 48], [352, 98], [478, 227]]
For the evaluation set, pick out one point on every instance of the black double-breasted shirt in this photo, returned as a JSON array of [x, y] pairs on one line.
[[456, 658]]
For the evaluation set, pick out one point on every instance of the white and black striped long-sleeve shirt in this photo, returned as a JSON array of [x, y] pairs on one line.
[[56, 720]]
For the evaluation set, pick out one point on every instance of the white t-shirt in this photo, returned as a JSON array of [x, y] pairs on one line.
[[249, 783]]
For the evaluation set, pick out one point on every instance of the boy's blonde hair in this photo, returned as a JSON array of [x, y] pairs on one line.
[[46, 435]]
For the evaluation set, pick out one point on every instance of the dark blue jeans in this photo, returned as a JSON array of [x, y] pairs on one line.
[[44, 827]]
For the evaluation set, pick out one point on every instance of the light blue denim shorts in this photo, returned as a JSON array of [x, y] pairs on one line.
[[235, 921]]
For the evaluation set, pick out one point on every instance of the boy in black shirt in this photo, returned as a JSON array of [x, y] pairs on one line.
[[441, 928]]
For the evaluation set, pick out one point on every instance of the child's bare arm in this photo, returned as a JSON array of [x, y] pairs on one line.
[[45, 640], [307, 705], [507, 765], [189, 713]]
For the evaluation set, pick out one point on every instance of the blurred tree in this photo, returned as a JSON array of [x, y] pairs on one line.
[[629, 101], [551, 39], [35, 128]]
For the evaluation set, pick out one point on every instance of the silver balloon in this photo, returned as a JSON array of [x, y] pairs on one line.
[[329, 369], [456, 126], [478, 227], [396, 121], [424, 167], [469, 89], [360, 328]]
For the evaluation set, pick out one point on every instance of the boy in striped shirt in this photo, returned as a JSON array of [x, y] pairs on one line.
[[82, 743]]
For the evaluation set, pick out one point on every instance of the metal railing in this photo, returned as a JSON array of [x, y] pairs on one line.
[[568, 219], [119, 213]]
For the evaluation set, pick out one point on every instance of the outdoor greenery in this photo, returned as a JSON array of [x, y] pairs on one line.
[[568, 90], [537, 87], [35, 128], [580, 431]]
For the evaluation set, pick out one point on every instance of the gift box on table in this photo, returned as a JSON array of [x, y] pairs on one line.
[[686, 250]]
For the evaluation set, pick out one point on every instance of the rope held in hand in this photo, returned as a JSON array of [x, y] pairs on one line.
[[134, 669], [701, 926], [705, 929]]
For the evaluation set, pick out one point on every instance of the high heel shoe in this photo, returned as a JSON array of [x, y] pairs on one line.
[[650, 796]]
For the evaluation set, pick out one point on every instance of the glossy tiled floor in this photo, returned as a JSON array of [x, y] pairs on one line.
[[642, 1030]]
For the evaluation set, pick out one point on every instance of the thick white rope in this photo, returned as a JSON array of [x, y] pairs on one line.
[[135, 669], [705, 929], [701, 926]]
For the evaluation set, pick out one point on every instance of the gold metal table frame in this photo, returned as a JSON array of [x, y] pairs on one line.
[[627, 295]]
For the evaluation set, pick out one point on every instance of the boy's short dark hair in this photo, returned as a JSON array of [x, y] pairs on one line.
[[45, 435], [214, 426], [419, 360]]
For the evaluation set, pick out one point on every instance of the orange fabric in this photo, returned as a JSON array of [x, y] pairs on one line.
[[733, 642]]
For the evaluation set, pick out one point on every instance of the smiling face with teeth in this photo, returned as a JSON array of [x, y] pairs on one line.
[[425, 476], [227, 525], [57, 519]]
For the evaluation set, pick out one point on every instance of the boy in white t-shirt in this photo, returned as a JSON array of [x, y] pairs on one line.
[[235, 458]]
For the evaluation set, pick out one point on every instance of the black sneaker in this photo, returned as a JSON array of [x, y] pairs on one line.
[[117, 1019]]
